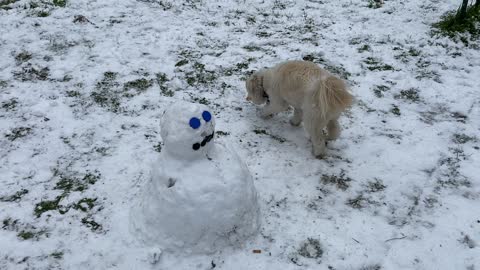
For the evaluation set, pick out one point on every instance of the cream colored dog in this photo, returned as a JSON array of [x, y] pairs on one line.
[[316, 96]]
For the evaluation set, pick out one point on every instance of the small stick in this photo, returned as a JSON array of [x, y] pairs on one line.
[[396, 238]]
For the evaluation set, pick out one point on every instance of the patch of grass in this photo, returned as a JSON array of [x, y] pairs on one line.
[[9, 105], [252, 48], [238, 68], [405, 55], [264, 132], [73, 183], [57, 255], [375, 186], [22, 57], [263, 34], [18, 132], [3, 84], [395, 110], [459, 117], [43, 13], [462, 138], [199, 75], [371, 267], [181, 63], [466, 240], [201, 100], [375, 64], [449, 170], [15, 197], [85, 204], [30, 234], [45, 206], [222, 133], [162, 80], [60, 3], [158, 147], [341, 181], [409, 94], [454, 27], [334, 69], [364, 48], [73, 93], [311, 248], [375, 4], [106, 93], [91, 223], [9, 224], [141, 85], [379, 90], [4, 4], [30, 73], [25, 235], [358, 202]]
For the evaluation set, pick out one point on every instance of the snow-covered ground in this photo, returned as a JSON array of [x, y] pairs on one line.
[[83, 87]]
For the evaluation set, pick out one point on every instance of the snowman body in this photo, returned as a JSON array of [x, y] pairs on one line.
[[200, 197]]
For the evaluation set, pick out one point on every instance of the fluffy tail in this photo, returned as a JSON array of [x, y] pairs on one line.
[[330, 95]]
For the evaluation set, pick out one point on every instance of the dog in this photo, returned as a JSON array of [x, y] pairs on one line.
[[317, 97]]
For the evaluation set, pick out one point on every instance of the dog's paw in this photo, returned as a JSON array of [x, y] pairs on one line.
[[319, 150]]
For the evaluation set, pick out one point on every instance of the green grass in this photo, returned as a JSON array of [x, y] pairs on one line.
[[409, 94], [92, 224], [85, 204], [17, 133], [9, 105], [337, 70], [311, 249], [395, 110], [379, 90], [105, 92], [23, 56], [141, 85], [162, 79], [60, 3], [453, 27], [30, 73], [375, 64], [4, 4], [15, 197], [45, 206], [341, 181]]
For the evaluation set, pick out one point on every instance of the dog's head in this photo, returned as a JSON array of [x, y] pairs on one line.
[[255, 91]]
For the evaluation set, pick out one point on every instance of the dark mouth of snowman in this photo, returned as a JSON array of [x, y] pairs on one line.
[[205, 140]]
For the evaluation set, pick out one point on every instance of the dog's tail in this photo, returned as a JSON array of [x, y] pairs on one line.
[[330, 95]]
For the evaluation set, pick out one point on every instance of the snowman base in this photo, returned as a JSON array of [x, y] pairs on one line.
[[202, 206]]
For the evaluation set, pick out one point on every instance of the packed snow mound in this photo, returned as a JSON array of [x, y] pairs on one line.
[[200, 197]]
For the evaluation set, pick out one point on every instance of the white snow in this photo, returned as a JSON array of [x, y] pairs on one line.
[[81, 103]]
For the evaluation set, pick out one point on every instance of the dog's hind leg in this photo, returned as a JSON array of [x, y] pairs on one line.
[[314, 125], [297, 117], [333, 129], [318, 142]]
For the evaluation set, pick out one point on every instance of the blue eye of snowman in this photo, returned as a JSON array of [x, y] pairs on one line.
[[194, 122], [206, 116]]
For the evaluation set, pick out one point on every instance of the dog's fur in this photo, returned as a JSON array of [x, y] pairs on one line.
[[317, 97]]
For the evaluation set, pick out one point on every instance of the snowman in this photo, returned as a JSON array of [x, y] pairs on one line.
[[200, 197]]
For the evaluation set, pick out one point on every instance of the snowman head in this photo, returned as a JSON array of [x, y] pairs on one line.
[[187, 130]]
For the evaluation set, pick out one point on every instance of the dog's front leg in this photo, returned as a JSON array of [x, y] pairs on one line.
[[273, 107], [297, 117]]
